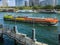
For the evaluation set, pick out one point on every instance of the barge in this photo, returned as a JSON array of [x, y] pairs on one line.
[[44, 21]]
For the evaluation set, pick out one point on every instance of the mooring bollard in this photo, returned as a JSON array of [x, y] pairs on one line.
[[33, 35]]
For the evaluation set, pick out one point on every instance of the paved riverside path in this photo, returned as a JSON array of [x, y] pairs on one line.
[[19, 37]]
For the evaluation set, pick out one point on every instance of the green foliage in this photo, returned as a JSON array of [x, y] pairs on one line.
[[35, 7], [27, 8], [21, 8], [57, 7], [48, 7]]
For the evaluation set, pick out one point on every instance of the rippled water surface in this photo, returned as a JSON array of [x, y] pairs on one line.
[[44, 34]]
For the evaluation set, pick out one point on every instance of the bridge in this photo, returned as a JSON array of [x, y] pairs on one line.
[[19, 37]]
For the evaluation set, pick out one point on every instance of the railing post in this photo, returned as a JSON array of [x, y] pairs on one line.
[[15, 28]]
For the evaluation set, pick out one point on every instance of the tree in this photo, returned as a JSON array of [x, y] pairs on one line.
[[21, 8], [57, 7], [48, 7], [35, 7]]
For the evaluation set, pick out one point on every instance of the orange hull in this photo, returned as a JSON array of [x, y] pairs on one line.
[[50, 20]]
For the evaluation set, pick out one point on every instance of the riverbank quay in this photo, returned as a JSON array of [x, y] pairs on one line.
[[30, 11], [35, 9], [19, 37]]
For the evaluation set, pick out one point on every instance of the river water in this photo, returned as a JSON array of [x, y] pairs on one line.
[[44, 34]]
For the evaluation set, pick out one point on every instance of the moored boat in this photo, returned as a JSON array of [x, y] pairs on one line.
[[44, 21], [25, 11]]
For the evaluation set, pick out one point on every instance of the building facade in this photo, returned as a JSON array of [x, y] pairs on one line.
[[30, 2], [26, 2], [58, 2], [0, 2], [15, 2], [51, 2], [11, 2], [19, 3], [34, 2], [4, 3], [42, 3]]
